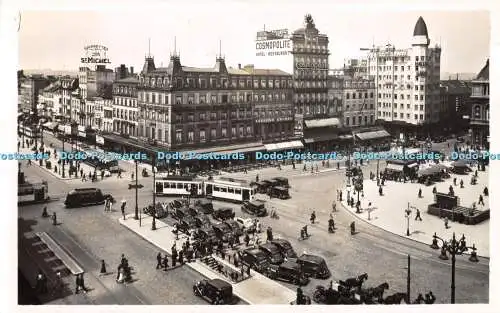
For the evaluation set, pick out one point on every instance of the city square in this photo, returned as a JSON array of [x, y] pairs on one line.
[[232, 223]]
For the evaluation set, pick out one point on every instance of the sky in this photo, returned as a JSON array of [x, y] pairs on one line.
[[55, 39]]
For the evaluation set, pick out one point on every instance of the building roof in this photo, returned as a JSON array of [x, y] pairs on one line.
[[420, 28], [268, 72], [456, 86], [53, 87], [484, 74]]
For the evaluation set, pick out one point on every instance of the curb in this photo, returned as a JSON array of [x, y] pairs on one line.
[[51, 173], [388, 231]]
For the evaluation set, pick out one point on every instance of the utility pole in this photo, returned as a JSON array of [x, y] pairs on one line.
[[136, 216], [153, 225], [408, 280]]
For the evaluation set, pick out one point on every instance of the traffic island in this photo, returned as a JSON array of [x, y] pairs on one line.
[[396, 210], [255, 289]]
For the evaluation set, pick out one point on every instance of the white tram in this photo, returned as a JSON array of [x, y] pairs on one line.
[[178, 186], [226, 189], [229, 189]]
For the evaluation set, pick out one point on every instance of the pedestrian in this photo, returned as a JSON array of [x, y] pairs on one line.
[[82, 283], [340, 196], [181, 257], [257, 178], [246, 239], [120, 173], [132, 176], [165, 263], [380, 190], [481, 200], [269, 234], [103, 268], [54, 218], [485, 191], [454, 181], [418, 217], [77, 284], [334, 206], [461, 183], [44, 212], [158, 260], [434, 190], [106, 204], [446, 223], [430, 298], [420, 192], [124, 203], [313, 217]]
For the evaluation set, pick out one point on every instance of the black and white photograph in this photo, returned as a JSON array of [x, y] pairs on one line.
[[248, 153]]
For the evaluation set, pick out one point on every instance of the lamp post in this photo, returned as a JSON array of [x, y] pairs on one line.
[[136, 216], [408, 213], [454, 247], [63, 160], [153, 225]]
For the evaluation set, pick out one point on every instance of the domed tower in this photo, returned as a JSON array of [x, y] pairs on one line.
[[420, 35]]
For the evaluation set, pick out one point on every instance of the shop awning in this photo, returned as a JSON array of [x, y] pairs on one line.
[[325, 122], [320, 138], [296, 144], [373, 135], [50, 125], [345, 136], [412, 165], [394, 167]]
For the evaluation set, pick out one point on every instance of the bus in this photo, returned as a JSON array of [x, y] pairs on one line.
[[229, 189], [102, 161], [33, 192], [178, 186]]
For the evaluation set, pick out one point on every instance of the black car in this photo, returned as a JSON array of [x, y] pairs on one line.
[[282, 181], [205, 234], [314, 266], [180, 213], [288, 271], [235, 227], [223, 214], [84, 196], [222, 231], [254, 207], [255, 259], [215, 291], [186, 224], [285, 248], [204, 206], [178, 203], [272, 252], [278, 192], [202, 220]]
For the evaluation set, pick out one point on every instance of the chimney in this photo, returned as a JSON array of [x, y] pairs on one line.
[[131, 70], [239, 66]]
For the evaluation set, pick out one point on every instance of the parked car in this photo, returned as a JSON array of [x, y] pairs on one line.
[[282, 181], [235, 227], [215, 291], [247, 224], [223, 214], [204, 206], [186, 224], [205, 234], [272, 252], [179, 213], [255, 259], [202, 220], [288, 271], [314, 266], [222, 231], [285, 248], [254, 207]]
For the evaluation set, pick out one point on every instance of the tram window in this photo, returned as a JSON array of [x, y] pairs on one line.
[[186, 186], [216, 188], [230, 190], [223, 190], [237, 191], [166, 184], [180, 186]]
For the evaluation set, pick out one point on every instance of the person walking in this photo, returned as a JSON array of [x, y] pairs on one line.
[[313, 217], [106, 204], [124, 203], [103, 268], [481, 200], [54, 219], [334, 206], [417, 216], [82, 284], [77, 284], [420, 192], [446, 223], [158, 261], [165, 263]]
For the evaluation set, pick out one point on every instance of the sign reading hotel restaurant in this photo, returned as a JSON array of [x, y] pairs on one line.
[[95, 54], [273, 43]]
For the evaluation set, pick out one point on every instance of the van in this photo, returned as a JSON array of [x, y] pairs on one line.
[[83, 197]]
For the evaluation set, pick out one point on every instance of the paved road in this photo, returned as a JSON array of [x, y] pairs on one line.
[[379, 253], [92, 235]]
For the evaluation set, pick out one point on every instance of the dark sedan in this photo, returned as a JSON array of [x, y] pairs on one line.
[[223, 231], [285, 248], [272, 252]]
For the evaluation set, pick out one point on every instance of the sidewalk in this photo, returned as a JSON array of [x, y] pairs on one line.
[[257, 289], [388, 211]]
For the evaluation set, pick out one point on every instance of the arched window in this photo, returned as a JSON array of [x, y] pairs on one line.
[[477, 111]]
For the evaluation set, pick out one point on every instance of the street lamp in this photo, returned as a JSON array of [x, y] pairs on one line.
[[136, 216], [454, 247], [153, 225], [407, 215], [64, 159]]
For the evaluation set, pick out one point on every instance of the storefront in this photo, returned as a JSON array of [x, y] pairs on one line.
[[322, 135], [376, 140]]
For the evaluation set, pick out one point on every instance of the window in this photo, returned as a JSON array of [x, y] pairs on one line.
[[202, 135], [421, 107], [421, 116], [178, 100], [178, 135], [421, 97], [347, 96], [347, 120], [213, 99], [224, 132], [371, 94], [233, 131], [416, 87], [416, 116], [202, 116], [241, 134], [191, 117], [203, 99], [249, 130], [477, 112], [190, 100], [416, 97], [190, 136], [213, 133], [213, 115], [224, 99]]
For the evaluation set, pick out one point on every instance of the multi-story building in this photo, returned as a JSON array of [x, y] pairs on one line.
[[455, 104], [407, 81], [70, 104], [310, 74], [29, 92], [480, 101], [107, 116], [358, 107], [125, 109], [94, 83], [187, 107], [51, 100]]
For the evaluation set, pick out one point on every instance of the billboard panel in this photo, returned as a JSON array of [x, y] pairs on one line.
[[275, 47]]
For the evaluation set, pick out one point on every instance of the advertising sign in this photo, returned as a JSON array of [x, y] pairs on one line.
[[276, 47], [95, 54], [99, 139]]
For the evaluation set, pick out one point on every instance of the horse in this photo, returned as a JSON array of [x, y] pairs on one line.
[[397, 298], [354, 282], [375, 292]]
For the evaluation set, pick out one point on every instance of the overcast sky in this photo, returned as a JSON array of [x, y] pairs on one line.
[[55, 39]]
